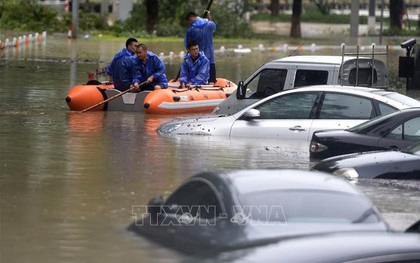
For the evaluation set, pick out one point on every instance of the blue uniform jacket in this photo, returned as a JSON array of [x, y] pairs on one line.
[[121, 70], [195, 72], [201, 31], [153, 66]]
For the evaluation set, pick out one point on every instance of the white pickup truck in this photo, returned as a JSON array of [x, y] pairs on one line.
[[297, 71]]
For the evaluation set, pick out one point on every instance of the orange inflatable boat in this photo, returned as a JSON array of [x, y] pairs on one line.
[[188, 100], [165, 101], [83, 96]]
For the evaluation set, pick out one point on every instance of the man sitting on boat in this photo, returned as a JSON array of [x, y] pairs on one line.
[[121, 69], [195, 68], [149, 68]]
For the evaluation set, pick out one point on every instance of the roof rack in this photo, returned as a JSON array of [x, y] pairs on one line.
[[371, 54]]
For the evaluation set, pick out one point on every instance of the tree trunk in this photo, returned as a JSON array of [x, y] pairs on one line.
[[152, 7], [296, 12], [396, 12], [275, 7]]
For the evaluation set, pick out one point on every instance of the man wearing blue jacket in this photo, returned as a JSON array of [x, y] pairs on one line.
[[149, 68], [201, 30], [121, 69], [195, 68]]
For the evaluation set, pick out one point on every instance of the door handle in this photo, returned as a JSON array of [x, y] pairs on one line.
[[297, 128]]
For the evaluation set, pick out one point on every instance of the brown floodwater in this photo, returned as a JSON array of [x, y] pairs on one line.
[[69, 180]]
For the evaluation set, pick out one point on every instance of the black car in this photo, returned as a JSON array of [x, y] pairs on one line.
[[214, 212], [377, 164], [397, 130]]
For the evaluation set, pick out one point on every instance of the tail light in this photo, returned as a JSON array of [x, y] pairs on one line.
[[317, 147]]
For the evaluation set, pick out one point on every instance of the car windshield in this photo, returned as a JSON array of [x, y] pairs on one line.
[[368, 123], [313, 206]]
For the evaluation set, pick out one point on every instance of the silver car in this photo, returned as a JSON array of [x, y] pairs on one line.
[[296, 114]]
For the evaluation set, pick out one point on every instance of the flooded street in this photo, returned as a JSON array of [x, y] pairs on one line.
[[69, 180]]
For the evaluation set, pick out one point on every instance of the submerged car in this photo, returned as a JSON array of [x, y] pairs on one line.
[[236, 209], [298, 71], [297, 113], [397, 130], [358, 247], [390, 164]]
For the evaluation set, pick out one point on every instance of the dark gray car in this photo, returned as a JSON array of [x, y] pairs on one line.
[[236, 209]]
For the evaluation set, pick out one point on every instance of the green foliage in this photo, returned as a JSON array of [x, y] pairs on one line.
[[396, 83], [27, 15], [91, 21], [172, 19], [137, 21], [393, 31], [312, 15]]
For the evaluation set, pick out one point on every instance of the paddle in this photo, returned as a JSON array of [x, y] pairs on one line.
[[113, 97], [204, 16]]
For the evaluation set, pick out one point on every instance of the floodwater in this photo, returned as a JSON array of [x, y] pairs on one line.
[[69, 180]]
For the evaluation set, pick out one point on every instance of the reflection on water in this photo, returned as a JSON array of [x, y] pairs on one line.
[[69, 180]]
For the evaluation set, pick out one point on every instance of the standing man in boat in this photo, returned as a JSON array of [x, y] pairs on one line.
[[121, 69], [195, 68], [149, 68], [201, 30]]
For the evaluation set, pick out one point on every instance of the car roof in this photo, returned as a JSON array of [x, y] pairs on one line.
[[247, 181], [392, 98], [340, 247], [330, 60]]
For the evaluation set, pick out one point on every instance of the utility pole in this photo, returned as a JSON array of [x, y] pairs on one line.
[[372, 17], [105, 10], [354, 18], [75, 18]]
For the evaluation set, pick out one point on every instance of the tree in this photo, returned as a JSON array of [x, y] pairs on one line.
[[152, 11], [296, 12], [396, 12], [274, 7], [323, 6]]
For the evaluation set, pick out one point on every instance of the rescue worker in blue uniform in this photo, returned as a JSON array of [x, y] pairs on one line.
[[201, 30], [121, 69], [195, 68], [149, 68]]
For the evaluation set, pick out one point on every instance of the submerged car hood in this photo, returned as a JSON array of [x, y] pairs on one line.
[[371, 164], [199, 125], [377, 157]]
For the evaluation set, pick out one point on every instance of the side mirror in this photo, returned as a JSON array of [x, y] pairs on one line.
[[240, 91], [251, 114], [154, 207]]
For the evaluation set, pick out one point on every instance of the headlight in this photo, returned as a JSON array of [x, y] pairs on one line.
[[348, 173], [168, 128]]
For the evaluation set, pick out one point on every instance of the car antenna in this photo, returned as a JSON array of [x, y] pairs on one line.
[[294, 51]]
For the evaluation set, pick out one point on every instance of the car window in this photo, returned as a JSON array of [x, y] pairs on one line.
[[362, 76], [408, 131], [345, 106], [196, 195], [310, 77], [385, 109], [308, 206], [266, 83], [290, 106]]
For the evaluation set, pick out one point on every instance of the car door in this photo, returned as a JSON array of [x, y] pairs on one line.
[[287, 116], [342, 111], [406, 134]]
